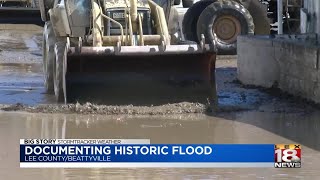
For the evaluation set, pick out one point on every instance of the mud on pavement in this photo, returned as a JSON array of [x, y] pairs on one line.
[[21, 84], [88, 108], [21, 46], [23, 91]]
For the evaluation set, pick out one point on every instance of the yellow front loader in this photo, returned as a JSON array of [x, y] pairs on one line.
[[123, 52]]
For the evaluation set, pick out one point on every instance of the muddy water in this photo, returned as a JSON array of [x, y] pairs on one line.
[[22, 83], [245, 127]]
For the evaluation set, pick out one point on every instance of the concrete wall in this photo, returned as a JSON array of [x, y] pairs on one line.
[[312, 10], [288, 62]]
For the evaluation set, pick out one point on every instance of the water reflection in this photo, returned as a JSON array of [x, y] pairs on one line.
[[249, 127], [300, 128]]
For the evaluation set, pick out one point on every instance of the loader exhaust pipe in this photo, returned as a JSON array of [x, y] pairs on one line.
[[134, 14]]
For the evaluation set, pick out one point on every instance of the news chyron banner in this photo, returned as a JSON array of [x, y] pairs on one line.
[[128, 153]]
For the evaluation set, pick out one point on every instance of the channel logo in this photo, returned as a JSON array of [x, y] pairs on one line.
[[287, 156]]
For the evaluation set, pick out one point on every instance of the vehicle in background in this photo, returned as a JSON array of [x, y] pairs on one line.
[[224, 20]]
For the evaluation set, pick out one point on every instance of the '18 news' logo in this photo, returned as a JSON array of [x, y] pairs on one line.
[[287, 156]]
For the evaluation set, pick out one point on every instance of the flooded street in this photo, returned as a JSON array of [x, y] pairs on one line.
[[246, 127], [248, 115]]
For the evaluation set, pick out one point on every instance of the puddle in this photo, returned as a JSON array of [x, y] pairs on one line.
[[22, 83], [31, 44]]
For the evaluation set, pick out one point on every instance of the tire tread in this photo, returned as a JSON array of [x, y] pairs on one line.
[[190, 19], [211, 12]]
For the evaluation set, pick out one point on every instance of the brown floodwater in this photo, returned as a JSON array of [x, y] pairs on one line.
[[242, 127]]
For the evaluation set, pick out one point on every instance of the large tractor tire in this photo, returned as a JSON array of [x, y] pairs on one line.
[[226, 19], [190, 19], [259, 15], [59, 74], [48, 55]]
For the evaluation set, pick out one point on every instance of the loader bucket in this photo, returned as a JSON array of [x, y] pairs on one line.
[[20, 15], [139, 76]]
